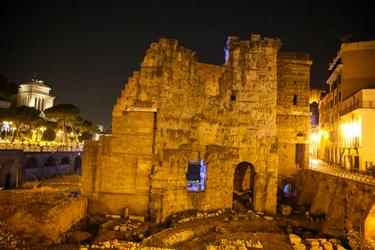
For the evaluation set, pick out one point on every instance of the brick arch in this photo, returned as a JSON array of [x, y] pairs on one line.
[[244, 186], [287, 191], [50, 162], [32, 162], [65, 160], [368, 224], [8, 172]]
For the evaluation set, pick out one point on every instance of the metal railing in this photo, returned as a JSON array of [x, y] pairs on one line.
[[336, 170], [38, 148], [357, 105]]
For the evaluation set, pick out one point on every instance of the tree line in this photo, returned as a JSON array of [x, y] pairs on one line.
[[62, 119]]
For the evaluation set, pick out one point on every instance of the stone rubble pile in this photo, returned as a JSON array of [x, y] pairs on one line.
[[227, 215], [315, 244], [7, 239], [370, 244], [121, 245], [354, 239], [236, 245], [127, 226], [201, 215], [286, 210], [178, 237]]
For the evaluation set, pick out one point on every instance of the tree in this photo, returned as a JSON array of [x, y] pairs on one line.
[[20, 115], [87, 129], [49, 135], [65, 115], [7, 88]]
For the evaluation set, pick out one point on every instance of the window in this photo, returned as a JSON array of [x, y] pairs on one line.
[[233, 96], [295, 99], [196, 176], [300, 155]]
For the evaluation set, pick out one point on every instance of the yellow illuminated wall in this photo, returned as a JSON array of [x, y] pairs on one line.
[[370, 224]]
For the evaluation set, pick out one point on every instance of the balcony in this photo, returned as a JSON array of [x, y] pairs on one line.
[[358, 105]]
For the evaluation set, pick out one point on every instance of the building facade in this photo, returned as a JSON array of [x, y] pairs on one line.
[[189, 135], [35, 94], [347, 136]]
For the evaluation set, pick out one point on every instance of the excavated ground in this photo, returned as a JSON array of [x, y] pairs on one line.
[[221, 229]]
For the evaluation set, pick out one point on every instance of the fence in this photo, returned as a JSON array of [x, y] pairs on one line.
[[37, 148]]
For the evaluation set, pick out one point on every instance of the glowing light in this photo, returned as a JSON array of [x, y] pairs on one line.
[[314, 137], [352, 129]]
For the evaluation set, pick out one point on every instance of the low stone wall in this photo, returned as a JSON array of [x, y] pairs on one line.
[[345, 203], [41, 214]]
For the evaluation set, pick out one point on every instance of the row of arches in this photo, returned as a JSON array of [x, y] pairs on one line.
[[243, 196], [244, 185], [34, 162]]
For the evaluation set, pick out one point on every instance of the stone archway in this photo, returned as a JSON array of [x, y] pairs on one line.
[[369, 226], [33, 162], [243, 186], [287, 193], [65, 161], [8, 174]]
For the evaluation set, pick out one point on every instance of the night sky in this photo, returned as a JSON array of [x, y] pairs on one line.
[[86, 50]]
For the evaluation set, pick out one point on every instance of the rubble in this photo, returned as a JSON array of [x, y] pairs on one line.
[[178, 237], [121, 245], [285, 210], [236, 244], [136, 217]]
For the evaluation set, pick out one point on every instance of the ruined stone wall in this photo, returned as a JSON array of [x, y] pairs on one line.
[[345, 203], [45, 214], [175, 109], [293, 114]]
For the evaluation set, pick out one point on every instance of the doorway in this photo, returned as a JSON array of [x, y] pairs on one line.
[[8, 179], [243, 186]]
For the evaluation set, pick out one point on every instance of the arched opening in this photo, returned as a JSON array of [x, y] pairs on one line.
[[369, 232], [8, 179], [77, 164], [287, 193], [32, 163], [50, 162], [243, 186], [65, 161]]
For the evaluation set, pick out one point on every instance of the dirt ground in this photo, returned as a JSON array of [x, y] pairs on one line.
[[221, 229]]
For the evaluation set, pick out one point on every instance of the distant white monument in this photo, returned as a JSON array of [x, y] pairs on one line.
[[35, 94]]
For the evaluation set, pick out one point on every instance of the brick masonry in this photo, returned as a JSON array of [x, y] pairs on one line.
[[176, 109]]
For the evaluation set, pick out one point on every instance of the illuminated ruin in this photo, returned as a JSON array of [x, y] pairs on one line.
[[189, 135]]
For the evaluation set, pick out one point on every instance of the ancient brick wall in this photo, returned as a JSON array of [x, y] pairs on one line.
[[175, 109], [293, 114], [345, 203]]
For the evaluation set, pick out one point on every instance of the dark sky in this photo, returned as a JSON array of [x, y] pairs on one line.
[[86, 50]]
